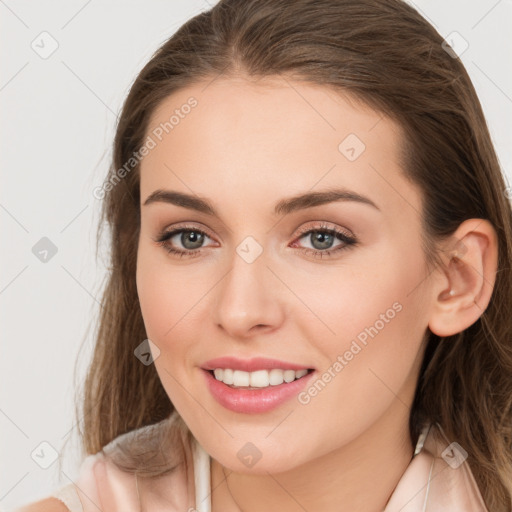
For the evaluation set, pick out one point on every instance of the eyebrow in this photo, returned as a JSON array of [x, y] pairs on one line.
[[282, 207]]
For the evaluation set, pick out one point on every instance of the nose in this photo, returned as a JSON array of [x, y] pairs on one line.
[[249, 299]]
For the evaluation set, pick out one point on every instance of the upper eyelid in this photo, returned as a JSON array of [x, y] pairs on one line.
[[326, 226], [186, 227], [199, 225]]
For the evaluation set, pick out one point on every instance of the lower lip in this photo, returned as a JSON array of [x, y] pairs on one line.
[[253, 401]]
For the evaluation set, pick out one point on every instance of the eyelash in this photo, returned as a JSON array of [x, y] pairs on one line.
[[348, 241]]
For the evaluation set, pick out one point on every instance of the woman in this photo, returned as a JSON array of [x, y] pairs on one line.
[[310, 290]]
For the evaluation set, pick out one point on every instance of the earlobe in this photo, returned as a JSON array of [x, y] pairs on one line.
[[469, 273]]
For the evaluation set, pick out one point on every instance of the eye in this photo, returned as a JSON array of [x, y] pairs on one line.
[[191, 240], [322, 239]]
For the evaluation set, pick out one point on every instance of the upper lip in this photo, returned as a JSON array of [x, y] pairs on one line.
[[251, 365]]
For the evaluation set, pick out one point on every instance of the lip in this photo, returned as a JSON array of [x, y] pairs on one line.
[[251, 365], [254, 401]]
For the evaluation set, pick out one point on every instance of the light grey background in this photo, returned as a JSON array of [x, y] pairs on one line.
[[58, 118]]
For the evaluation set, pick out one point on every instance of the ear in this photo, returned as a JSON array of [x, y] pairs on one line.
[[466, 281]]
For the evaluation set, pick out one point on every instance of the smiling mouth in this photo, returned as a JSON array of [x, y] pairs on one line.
[[239, 379]]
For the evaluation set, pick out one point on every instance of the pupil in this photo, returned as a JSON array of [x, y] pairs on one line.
[[192, 239], [324, 239]]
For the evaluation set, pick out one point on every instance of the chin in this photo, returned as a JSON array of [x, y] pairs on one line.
[[258, 457]]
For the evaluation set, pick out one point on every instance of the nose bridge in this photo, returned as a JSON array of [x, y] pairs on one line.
[[248, 296]]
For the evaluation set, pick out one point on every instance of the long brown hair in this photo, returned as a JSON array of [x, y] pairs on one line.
[[385, 54]]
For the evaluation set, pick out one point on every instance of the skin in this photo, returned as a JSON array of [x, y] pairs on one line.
[[244, 147]]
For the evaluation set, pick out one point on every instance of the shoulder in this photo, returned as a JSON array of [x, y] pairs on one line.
[[152, 462], [45, 505], [73, 496]]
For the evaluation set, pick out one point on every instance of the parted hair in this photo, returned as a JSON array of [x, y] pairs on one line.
[[385, 54]]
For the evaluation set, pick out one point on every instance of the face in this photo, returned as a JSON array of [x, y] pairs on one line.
[[280, 249]]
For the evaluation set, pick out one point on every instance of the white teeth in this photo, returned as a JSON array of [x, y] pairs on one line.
[[257, 379], [289, 375], [240, 378], [275, 377], [300, 373], [228, 376]]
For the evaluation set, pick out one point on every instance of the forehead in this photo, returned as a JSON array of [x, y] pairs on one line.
[[237, 106], [272, 136]]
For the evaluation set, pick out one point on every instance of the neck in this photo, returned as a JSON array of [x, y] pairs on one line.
[[359, 476]]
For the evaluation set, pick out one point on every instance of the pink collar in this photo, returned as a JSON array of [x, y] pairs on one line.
[[438, 478]]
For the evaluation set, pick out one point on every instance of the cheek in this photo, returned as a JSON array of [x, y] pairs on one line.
[[379, 296], [154, 297], [172, 301], [377, 317], [163, 301], [166, 294]]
